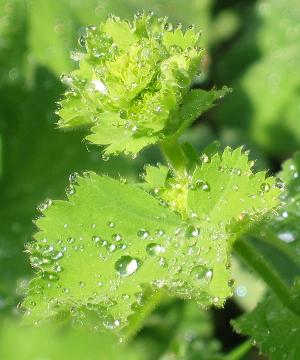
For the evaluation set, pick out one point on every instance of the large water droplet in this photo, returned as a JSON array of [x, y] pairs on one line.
[[201, 274], [127, 265]]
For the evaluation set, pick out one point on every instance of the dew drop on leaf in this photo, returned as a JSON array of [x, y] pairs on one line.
[[143, 234], [192, 232], [81, 41], [117, 237], [70, 190], [154, 249], [202, 185], [201, 274], [110, 224], [73, 178], [127, 265]]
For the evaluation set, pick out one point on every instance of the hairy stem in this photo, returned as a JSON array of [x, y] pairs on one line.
[[249, 254], [174, 155]]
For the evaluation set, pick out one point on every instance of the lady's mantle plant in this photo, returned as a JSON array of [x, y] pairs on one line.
[[108, 254]]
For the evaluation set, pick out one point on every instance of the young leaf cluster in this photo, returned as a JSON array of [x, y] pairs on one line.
[[132, 81]]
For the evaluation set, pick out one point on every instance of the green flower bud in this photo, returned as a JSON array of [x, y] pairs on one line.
[[131, 82]]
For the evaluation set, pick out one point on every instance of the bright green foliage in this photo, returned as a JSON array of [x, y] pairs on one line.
[[131, 82], [274, 328], [277, 240], [28, 343], [111, 245], [271, 79]]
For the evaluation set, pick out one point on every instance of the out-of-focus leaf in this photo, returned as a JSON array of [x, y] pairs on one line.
[[24, 343], [277, 242], [266, 96]]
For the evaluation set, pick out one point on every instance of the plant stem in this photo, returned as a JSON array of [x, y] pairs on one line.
[[239, 352], [174, 155], [249, 254]]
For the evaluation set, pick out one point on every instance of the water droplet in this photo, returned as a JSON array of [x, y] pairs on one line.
[[70, 190], [163, 262], [57, 268], [99, 86], [81, 284], [143, 234], [204, 158], [241, 291], [110, 224], [279, 183], [201, 274], [117, 237], [112, 247], [81, 41], [202, 185], [44, 205], [46, 275], [286, 236], [285, 214], [110, 323], [73, 178], [127, 265], [265, 187], [168, 27], [192, 231], [154, 249], [76, 55]]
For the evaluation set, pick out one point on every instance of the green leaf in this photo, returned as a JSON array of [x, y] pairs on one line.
[[222, 191], [48, 342], [274, 328], [156, 176], [99, 240], [195, 103], [112, 245]]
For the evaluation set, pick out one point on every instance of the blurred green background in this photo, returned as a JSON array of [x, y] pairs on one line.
[[252, 47]]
